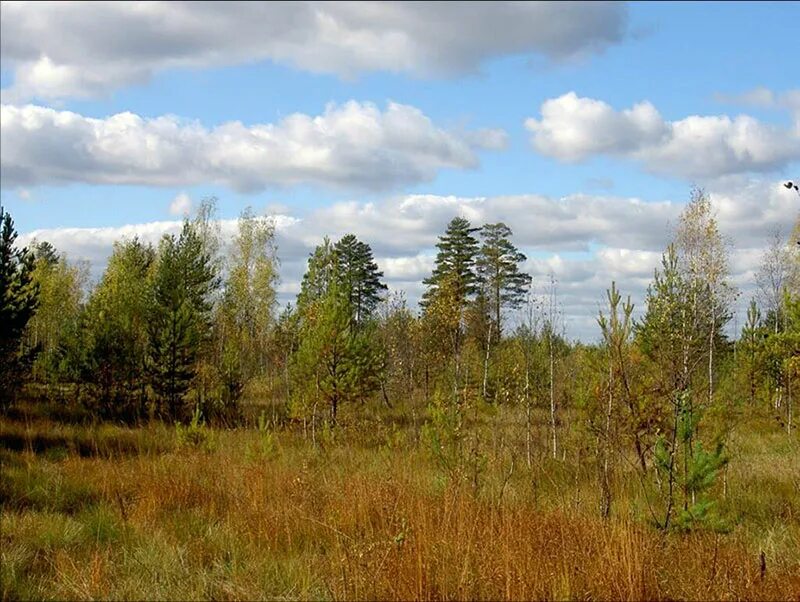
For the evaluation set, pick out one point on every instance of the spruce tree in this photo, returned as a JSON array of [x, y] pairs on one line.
[[18, 302]]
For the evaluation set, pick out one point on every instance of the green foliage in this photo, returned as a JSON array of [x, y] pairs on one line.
[[702, 475], [455, 263], [53, 333], [116, 322], [196, 434], [498, 271], [684, 465], [334, 361], [18, 302], [319, 275], [180, 322], [443, 433], [247, 311], [359, 277]]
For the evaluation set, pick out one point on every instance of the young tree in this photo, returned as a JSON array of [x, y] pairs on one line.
[[52, 333], [617, 328], [551, 327], [117, 328], [246, 313], [703, 260], [443, 323], [334, 362], [183, 285], [397, 327], [529, 336], [18, 302], [668, 336], [359, 276]]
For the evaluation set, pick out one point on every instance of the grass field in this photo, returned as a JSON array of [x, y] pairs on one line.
[[370, 513]]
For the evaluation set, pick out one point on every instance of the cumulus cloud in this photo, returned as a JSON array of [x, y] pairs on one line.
[[573, 128], [82, 49], [354, 145], [584, 241]]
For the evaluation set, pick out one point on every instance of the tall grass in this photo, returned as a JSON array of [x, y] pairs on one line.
[[369, 513]]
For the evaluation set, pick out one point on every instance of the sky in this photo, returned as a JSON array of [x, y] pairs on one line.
[[583, 126]]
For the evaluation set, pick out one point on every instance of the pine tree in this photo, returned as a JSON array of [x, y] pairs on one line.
[[458, 249], [18, 302], [359, 276], [617, 328], [183, 285], [498, 271], [672, 337], [334, 362]]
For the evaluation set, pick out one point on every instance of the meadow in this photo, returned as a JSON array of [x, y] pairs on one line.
[[370, 510]]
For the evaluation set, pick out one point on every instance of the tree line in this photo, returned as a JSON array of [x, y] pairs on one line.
[[192, 324]]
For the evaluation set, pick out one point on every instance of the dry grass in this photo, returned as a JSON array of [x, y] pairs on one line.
[[370, 516]]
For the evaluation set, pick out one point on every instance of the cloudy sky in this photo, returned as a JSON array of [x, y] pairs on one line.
[[582, 126]]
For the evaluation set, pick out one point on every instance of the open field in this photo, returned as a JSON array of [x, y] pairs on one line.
[[111, 512]]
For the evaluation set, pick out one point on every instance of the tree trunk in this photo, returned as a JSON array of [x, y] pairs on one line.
[[606, 482], [527, 406], [553, 397], [486, 361], [671, 467], [711, 355]]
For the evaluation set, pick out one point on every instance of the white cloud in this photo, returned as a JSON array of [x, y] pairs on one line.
[[354, 145], [82, 49], [572, 128], [585, 241], [181, 204]]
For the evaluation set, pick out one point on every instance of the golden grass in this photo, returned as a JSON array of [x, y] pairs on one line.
[[357, 519]]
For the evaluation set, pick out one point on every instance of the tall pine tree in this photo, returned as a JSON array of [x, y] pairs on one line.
[[498, 270], [455, 261], [359, 276]]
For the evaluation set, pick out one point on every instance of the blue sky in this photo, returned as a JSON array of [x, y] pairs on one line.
[[714, 60]]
